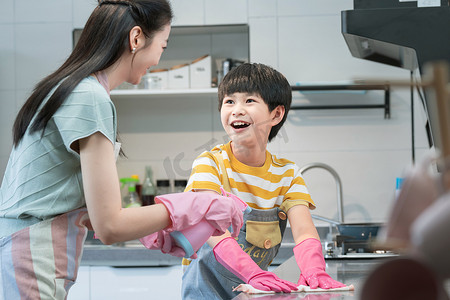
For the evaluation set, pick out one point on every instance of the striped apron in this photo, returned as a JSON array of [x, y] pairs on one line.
[[42, 260]]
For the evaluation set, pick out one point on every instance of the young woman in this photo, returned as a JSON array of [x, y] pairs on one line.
[[61, 177]]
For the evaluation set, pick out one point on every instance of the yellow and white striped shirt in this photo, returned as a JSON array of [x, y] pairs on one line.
[[278, 183]]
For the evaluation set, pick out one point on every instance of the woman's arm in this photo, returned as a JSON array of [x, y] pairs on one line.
[[102, 192], [301, 223], [214, 240]]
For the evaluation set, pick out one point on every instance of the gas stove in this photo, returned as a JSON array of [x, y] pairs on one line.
[[349, 247]]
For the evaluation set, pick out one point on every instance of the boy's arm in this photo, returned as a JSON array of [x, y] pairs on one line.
[[308, 250], [301, 223]]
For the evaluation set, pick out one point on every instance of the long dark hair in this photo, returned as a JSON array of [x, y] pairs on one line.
[[102, 42]]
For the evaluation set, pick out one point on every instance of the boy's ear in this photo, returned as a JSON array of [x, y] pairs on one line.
[[277, 114]]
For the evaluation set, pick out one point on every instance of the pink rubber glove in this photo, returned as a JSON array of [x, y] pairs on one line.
[[309, 257], [229, 254], [189, 208], [162, 240]]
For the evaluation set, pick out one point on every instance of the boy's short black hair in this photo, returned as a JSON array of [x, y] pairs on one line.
[[262, 80]]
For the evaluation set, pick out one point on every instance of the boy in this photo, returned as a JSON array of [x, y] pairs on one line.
[[254, 101]]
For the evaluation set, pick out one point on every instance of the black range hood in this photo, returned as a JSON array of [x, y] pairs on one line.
[[396, 33], [403, 35]]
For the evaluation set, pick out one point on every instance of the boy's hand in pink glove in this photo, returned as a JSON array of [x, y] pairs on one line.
[[230, 255], [189, 208], [309, 257], [162, 240]]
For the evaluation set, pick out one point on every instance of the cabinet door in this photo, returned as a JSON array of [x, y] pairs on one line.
[[80, 290], [136, 283], [226, 12]]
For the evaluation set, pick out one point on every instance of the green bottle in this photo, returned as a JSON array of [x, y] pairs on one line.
[[148, 190], [131, 198]]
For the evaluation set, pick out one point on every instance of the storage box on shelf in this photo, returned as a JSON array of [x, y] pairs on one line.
[[179, 77], [200, 72]]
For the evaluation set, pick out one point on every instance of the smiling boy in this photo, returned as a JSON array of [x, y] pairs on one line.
[[254, 101]]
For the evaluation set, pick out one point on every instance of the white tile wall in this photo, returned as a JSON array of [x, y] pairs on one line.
[[188, 12], [44, 11], [318, 7], [82, 9], [262, 8], [226, 12], [40, 49], [311, 48], [7, 11], [7, 68], [264, 40], [7, 114]]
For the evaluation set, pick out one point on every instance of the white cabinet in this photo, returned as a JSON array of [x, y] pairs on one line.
[[81, 289], [187, 43], [99, 283]]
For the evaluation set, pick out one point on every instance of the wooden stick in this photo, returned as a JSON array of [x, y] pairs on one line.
[[442, 94]]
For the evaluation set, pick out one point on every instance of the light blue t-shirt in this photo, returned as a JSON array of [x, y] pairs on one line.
[[43, 175]]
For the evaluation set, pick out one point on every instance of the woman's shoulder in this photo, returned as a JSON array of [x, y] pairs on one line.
[[88, 92], [88, 98], [90, 85]]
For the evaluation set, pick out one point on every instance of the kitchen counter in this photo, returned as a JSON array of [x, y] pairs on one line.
[[348, 271], [134, 254], [129, 254]]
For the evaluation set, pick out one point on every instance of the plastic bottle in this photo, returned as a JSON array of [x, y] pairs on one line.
[[138, 185], [148, 189], [192, 238], [179, 185], [131, 198], [162, 186], [398, 186]]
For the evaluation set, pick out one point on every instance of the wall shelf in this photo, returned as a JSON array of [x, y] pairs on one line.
[[143, 93], [212, 92], [347, 87]]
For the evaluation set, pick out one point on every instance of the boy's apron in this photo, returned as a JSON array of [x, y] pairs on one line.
[[260, 237], [42, 260], [205, 278]]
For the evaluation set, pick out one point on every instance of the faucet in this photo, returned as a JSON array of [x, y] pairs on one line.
[[340, 204]]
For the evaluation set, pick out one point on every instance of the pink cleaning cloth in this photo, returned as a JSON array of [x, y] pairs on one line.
[[247, 288]]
